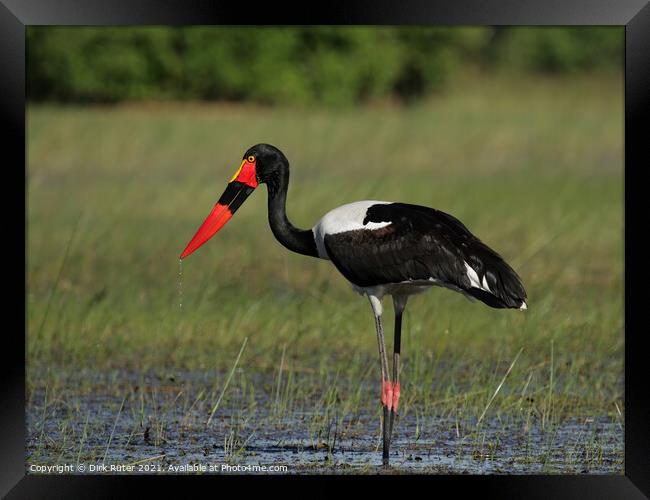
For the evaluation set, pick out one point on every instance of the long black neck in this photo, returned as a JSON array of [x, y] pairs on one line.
[[297, 240]]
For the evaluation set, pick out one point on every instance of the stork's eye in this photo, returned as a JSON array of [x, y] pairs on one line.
[[251, 159]]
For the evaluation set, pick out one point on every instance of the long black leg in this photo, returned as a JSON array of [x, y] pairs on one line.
[[399, 303], [375, 302]]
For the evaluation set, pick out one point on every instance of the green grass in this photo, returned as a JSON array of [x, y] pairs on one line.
[[534, 168]]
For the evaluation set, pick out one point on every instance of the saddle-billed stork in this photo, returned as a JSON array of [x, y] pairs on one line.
[[382, 248]]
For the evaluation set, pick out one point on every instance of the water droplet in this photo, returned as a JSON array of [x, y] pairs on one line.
[[180, 284]]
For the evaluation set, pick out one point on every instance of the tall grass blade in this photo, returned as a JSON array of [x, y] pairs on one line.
[[225, 386], [499, 386]]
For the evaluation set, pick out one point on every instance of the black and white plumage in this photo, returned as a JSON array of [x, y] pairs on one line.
[[377, 244], [382, 248]]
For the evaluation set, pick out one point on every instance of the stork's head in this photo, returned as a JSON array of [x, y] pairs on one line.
[[270, 162], [260, 164]]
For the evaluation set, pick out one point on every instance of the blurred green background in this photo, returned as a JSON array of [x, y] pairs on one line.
[[329, 65]]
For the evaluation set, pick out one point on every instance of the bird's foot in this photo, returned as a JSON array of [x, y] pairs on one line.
[[387, 394]]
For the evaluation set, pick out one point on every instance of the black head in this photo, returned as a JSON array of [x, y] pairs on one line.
[[270, 163]]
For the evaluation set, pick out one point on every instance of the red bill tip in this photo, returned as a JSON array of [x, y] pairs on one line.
[[216, 220]]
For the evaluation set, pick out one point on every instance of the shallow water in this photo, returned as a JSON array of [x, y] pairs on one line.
[[157, 424]]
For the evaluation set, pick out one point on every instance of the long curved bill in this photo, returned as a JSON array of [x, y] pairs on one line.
[[242, 184]]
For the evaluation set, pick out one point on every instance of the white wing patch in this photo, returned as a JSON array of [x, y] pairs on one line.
[[342, 219], [473, 278]]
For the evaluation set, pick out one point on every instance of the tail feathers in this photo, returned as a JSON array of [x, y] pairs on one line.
[[497, 302], [494, 282]]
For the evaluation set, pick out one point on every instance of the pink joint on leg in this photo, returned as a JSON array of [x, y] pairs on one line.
[[395, 396], [387, 394]]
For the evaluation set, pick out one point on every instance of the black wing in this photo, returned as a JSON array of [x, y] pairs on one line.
[[422, 243]]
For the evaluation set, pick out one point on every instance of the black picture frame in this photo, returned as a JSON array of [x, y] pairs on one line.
[[634, 15]]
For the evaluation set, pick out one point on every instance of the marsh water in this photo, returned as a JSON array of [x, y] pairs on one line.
[[158, 424]]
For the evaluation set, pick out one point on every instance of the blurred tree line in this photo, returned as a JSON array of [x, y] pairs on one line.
[[329, 65]]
